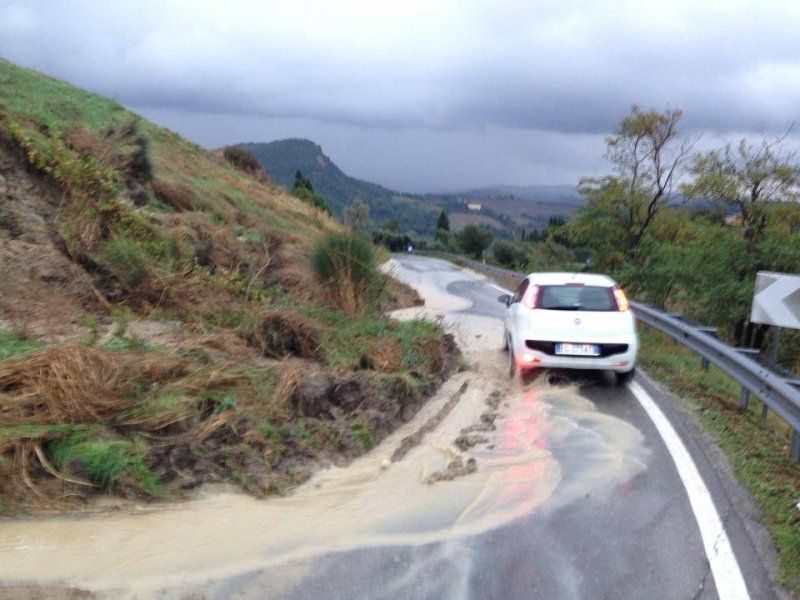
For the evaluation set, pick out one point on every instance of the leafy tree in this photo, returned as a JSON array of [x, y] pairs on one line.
[[509, 254], [549, 255], [356, 216], [746, 183], [446, 240], [744, 180], [443, 222], [391, 225], [600, 225], [649, 157], [475, 240], [556, 230], [302, 182], [303, 189]]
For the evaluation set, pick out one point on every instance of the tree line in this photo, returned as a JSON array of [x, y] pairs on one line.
[[686, 230]]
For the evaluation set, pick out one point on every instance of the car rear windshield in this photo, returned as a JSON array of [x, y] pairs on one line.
[[576, 297]]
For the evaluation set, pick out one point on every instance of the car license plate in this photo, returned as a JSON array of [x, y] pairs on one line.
[[578, 349]]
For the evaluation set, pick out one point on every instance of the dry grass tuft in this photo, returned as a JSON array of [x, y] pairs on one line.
[[385, 354], [63, 384], [214, 377], [345, 264], [176, 195], [434, 351], [245, 162], [86, 142], [278, 333], [212, 244], [160, 369], [289, 389], [226, 343], [212, 424]]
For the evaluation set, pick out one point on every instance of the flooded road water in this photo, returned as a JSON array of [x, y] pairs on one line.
[[541, 447]]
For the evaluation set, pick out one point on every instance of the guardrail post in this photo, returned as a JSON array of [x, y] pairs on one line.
[[796, 446], [712, 331], [764, 412], [744, 398]]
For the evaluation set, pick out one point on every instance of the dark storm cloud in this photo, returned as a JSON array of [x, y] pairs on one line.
[[398, 79]]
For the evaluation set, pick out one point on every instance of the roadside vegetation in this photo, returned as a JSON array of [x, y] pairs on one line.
[[171, 318], [757, 451]]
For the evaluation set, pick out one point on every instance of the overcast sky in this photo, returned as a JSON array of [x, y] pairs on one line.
[[425, 95]]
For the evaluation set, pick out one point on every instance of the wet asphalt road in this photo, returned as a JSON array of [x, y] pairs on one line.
[[638, 540]]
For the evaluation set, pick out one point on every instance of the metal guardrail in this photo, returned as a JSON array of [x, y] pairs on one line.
[[778, 391]]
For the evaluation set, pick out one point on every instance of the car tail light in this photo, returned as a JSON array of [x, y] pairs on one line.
[[622, 300], [531, 296]]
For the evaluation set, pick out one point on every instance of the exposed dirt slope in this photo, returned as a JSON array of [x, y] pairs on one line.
[[160, 325]]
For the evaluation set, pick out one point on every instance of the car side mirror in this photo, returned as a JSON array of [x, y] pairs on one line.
[[504, 299]]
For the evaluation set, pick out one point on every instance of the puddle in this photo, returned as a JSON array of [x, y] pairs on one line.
[[549, 446]]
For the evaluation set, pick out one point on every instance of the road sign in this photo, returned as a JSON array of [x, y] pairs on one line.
[[776, 300]]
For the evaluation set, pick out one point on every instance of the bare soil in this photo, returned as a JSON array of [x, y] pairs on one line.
[[42, 292]]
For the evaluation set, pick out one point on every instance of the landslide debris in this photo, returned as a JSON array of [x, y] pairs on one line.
[[161, 326], [410, 441], [458, 466], [455, 468]]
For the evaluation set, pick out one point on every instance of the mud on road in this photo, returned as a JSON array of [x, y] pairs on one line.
[[458, 468]]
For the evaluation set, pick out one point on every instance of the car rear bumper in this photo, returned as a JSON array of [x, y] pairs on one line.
[[620, 362]]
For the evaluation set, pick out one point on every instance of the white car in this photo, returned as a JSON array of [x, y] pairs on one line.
[[570, 321]]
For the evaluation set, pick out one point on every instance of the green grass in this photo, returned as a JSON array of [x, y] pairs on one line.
[[270, 432], [36, 431], [53, 103], [12, 344], [164, 408], [359, 432], [125, 259], [346, 340], [123, 343], [105, 461], [759, 453]]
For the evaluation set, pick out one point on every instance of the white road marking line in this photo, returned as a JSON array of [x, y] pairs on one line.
[[727, 575], [502, 289]]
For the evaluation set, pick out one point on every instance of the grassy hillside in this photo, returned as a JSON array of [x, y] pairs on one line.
[[283, 157], [160, 322]]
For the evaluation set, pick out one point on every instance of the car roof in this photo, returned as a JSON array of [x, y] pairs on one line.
[[573, 278]]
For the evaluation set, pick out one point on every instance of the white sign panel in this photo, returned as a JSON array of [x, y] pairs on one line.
[[776, 300]]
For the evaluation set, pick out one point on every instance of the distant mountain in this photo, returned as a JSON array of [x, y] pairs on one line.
[[506, 209], [544, 194], [282, 158]]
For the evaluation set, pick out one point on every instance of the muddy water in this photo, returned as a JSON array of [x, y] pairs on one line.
[[550, 446]]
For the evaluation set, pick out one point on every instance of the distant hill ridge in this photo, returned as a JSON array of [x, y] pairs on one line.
[[529, 206], [282, 158]]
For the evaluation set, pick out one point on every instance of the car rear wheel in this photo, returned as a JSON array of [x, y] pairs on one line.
[[626, 377], [513, 369]]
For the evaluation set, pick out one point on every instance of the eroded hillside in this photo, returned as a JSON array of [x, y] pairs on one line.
[[160, 324]]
